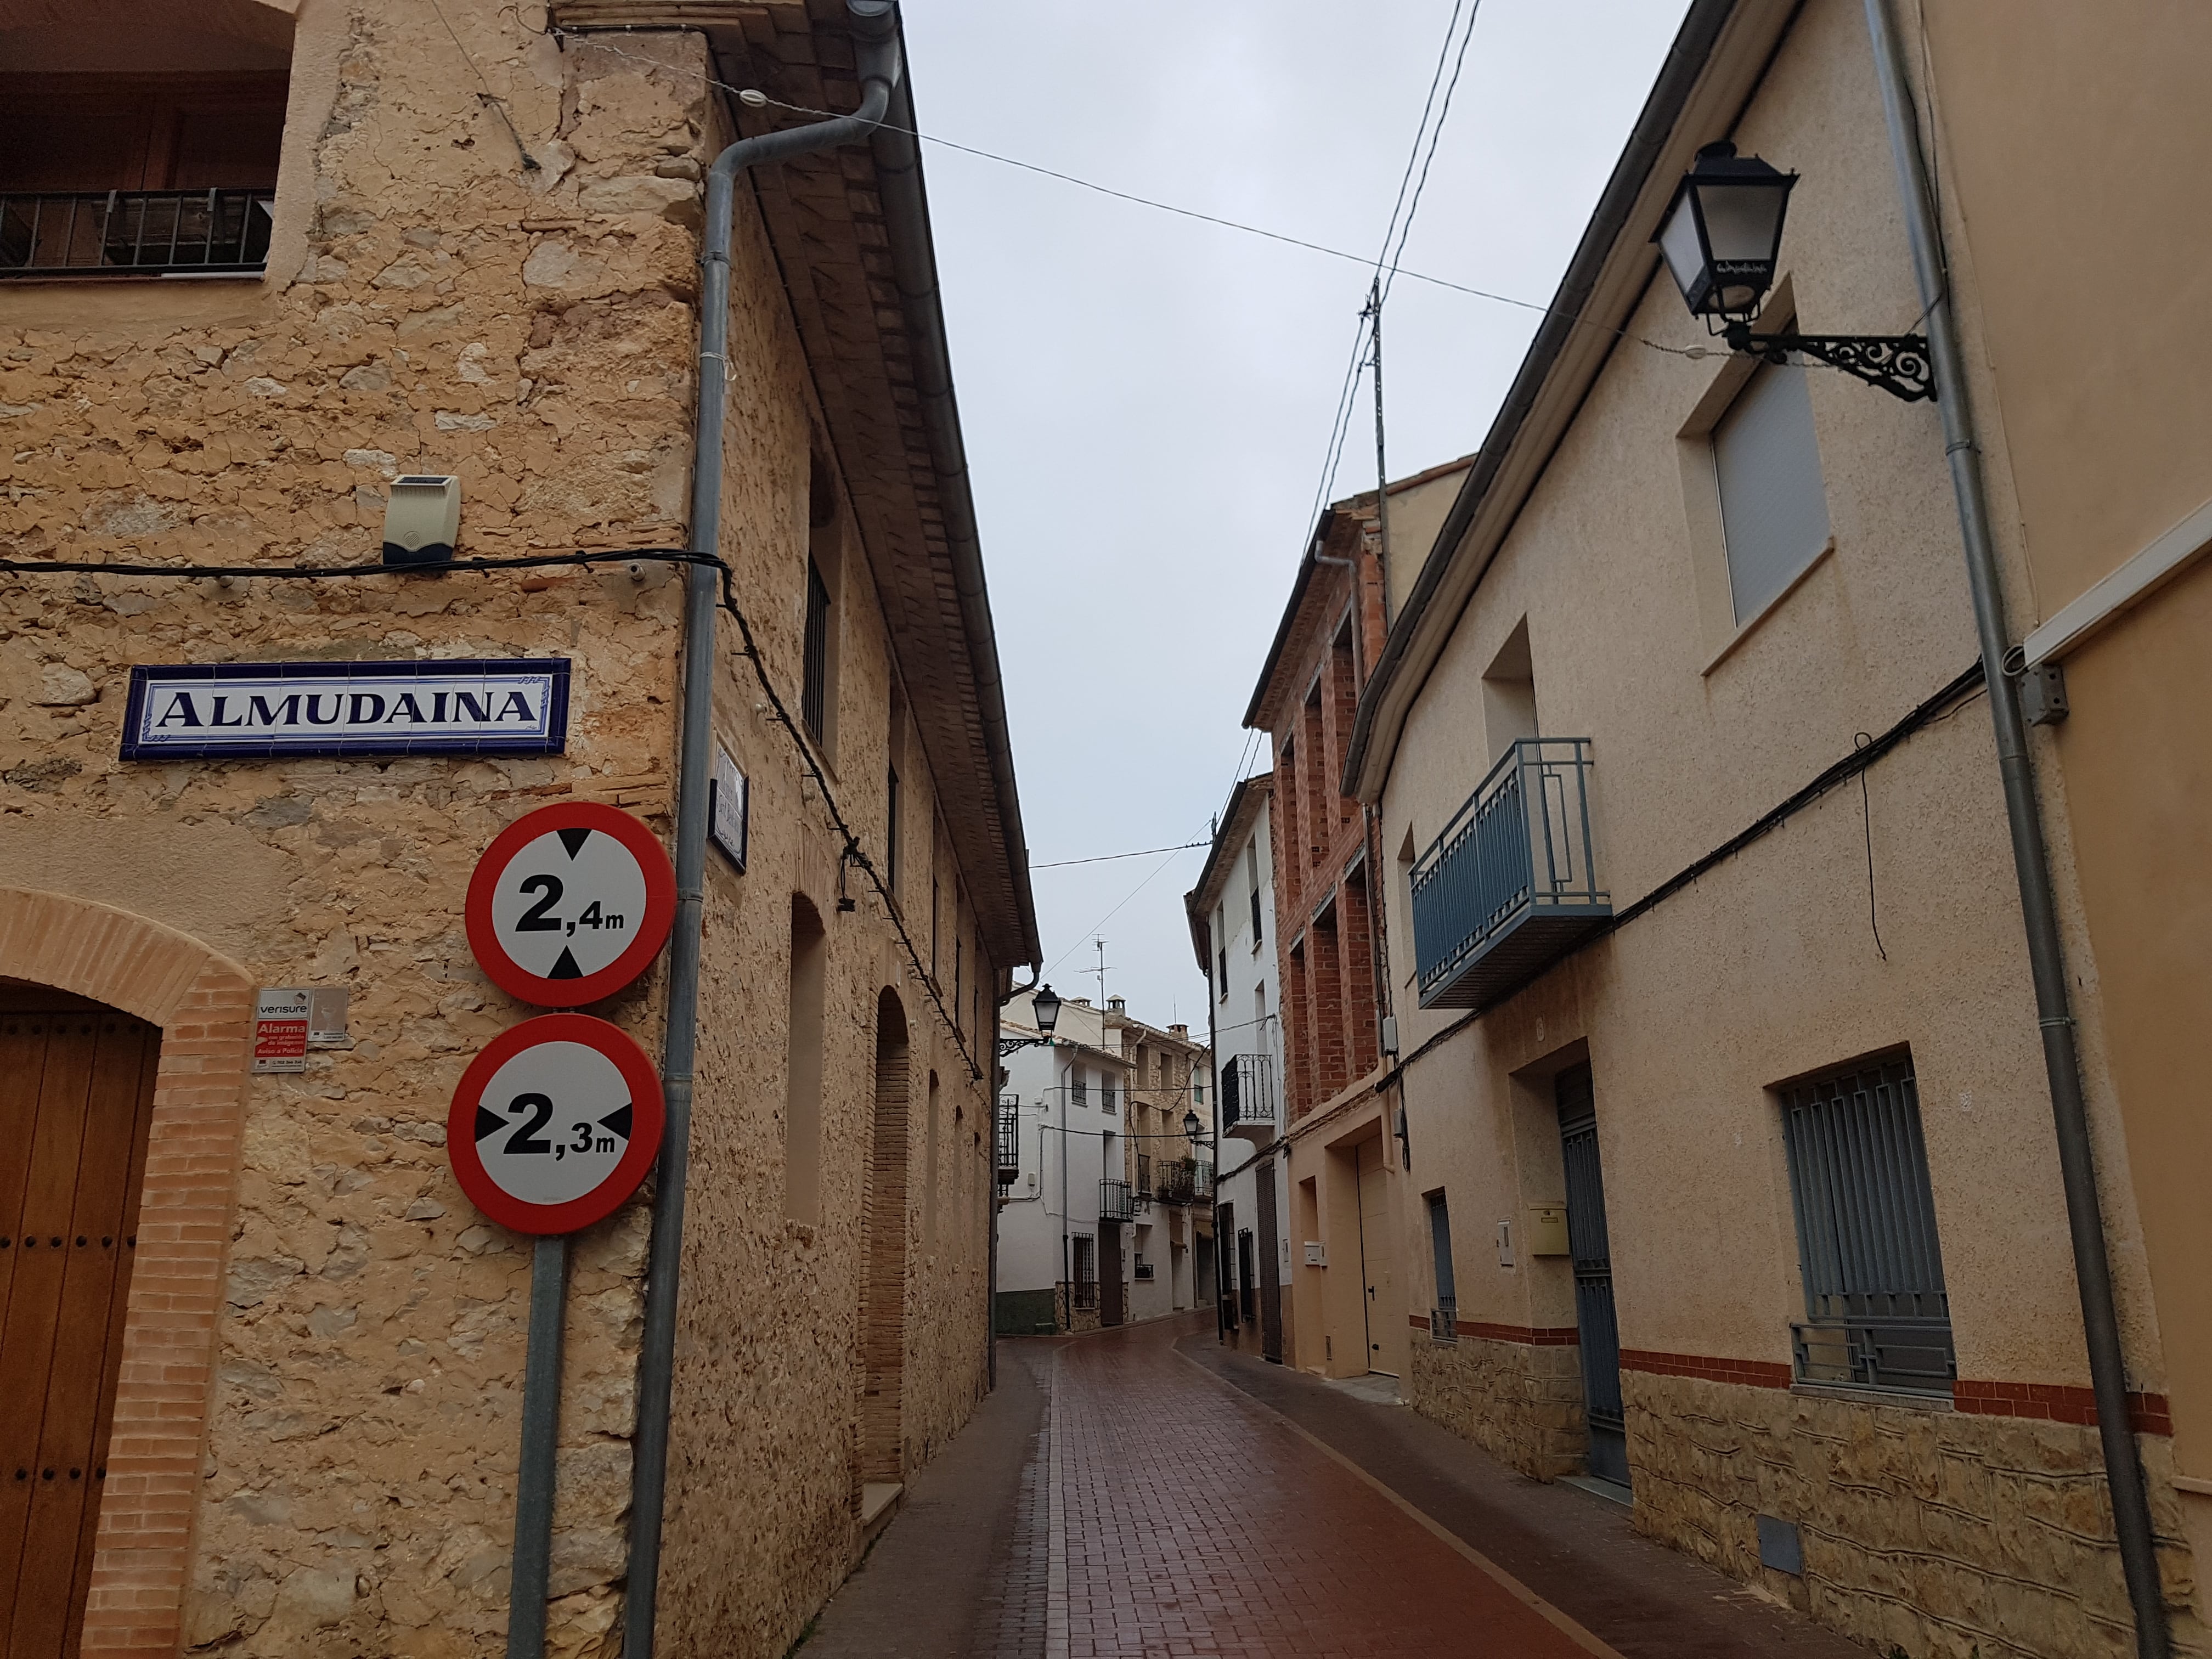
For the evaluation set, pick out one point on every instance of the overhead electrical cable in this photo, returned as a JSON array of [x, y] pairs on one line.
[[1106, 858], [752, 96], [852, 853]]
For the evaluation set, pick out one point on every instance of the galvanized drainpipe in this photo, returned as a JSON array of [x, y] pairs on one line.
[[2093, 1272], [875, 29], [1213, 1059]]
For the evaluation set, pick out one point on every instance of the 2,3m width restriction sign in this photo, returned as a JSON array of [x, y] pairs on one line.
[[555, 1124], [570, 903]]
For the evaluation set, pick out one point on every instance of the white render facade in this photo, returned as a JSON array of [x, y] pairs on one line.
[[1232, 916], [1068, 1096]]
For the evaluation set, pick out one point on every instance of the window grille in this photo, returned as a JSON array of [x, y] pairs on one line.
[[1078, 1089], [1443, 1318], [891, 831], [1087, 1271], [139, 233], [813, 702], [1767, 464], [1876, 1311]]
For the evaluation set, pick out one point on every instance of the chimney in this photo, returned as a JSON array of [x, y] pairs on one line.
[[1117, 1005], [1182, 1031]]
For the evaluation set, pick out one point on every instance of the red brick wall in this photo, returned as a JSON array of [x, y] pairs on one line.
[[1326, 966]]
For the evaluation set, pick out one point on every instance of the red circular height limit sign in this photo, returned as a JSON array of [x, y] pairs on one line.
[[570, 903], [555, 1124]]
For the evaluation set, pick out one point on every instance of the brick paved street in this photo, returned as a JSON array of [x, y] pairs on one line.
[[1140, 1492]]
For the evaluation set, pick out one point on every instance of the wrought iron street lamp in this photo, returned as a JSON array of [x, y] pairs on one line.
[[1044, 1008], [1722, 239], [1192, 1129]]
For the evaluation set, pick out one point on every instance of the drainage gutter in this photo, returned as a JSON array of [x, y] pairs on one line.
[[2092, 1272], [875, 28]]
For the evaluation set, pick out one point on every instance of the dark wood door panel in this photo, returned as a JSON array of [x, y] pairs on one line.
[[82, 1133]]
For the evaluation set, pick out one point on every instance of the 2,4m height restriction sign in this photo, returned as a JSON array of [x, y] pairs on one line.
[[570, 903], [555, 1124]]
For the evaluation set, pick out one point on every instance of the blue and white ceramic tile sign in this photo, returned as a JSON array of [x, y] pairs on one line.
[[278, 710]]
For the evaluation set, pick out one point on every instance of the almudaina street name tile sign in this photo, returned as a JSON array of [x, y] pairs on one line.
[[264, 710]]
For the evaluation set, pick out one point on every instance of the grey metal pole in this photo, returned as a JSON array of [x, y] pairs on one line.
[[533, 1562], [2092, 1272], [1381, 468], [875, 29]]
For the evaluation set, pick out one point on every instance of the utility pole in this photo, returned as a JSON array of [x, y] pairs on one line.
[[1101, 971], [1374, 314]]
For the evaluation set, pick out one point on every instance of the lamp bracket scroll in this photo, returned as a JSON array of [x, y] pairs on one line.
[[1898, 363]]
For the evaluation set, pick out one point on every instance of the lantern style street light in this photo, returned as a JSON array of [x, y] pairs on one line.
[[1192, 1129], [1722, 239], [1045, 1007]]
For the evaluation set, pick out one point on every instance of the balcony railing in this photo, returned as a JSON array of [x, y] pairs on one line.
[[1183, 1182], [136, 233], [1509, 886], [1443, 1321], [1115, 1201], [1872, 1351], [1006, 1140], [1248, 1098]]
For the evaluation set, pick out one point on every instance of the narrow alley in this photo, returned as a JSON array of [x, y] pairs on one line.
[[1142, 1492]]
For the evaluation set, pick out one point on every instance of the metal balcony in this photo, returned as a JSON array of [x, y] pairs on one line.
[[1509, 886], [1248, 1098], [1115, 1201], [136, 233], [1007, 1139]]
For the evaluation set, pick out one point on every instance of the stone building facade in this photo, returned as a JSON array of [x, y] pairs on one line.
[[1171, 1177], [478, 258], [1702, 869]]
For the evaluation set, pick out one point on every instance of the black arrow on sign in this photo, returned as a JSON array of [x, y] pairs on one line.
[[618, 1121], [574, 839], [488, 1123], [566, 968]]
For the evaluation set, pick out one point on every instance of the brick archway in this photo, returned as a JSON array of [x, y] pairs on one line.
[[204, 1005]]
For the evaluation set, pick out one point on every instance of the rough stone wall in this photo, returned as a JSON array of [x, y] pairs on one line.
[[1522, 1403], [534, 338], [1943, 1534]]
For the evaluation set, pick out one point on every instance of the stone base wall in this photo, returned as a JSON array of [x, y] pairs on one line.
[[1027, 1313], [1521, 1402], [1938, 1535]]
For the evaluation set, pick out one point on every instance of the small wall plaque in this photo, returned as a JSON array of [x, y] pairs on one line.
[[280, 1028]]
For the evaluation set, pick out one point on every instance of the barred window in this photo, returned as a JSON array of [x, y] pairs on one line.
[[1876, 1311], [813, 698]]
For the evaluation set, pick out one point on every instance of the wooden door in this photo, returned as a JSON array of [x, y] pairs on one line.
[[1378, 1266], [76, 1090]]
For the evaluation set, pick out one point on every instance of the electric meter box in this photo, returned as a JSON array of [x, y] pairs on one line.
[[1547, 1230]]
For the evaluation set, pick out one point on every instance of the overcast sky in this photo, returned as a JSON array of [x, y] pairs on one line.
[[1147, 399]]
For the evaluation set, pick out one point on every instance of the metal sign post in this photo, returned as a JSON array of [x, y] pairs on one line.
[[555, 1124]]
